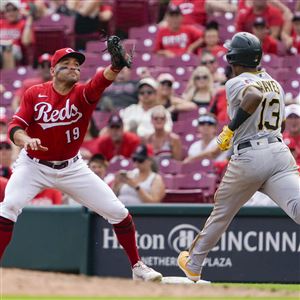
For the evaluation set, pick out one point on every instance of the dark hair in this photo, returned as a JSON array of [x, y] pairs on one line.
[[98, 157], [212, 25]]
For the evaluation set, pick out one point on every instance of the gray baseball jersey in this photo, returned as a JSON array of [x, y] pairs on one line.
[[263, 166], [266, 120]]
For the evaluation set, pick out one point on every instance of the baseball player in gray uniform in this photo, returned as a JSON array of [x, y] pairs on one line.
[[260, 160]]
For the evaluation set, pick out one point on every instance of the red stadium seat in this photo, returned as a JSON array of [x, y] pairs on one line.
[[169, 166], [53, 32], [184, 196], [135, 13], [118, 163]]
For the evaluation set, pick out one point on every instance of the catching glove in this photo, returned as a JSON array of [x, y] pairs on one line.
[[224, 138], [119, 57]]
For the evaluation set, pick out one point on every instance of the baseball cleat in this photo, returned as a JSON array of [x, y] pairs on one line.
[[182, 261], [142, 272]]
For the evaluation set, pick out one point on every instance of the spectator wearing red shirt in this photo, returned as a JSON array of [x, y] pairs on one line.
[[296, 33], [117, 142], [44, 62], [175, 39], [5, 159], [211, 41], [3, 183], [193, 11], [269, 44], [16, 34], [47, 197], [290, 34], [219, 104], [292, 132], [90, 141], [260, 8]]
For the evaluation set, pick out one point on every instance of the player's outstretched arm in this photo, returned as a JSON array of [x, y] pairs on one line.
[[248, 106], [20, 138]]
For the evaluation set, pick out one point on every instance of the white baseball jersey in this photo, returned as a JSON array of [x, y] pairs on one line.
[[266, 120]]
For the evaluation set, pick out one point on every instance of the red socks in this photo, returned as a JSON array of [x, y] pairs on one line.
[[125, 232], [6, 230]]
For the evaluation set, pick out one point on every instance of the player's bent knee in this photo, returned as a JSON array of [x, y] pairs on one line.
[[116, 213], [9, 212]]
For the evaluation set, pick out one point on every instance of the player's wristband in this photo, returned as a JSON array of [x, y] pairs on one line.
[[240, 117], [114, 69], [13, 131]]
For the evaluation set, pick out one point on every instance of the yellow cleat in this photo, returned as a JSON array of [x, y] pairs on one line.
[[182, 261]]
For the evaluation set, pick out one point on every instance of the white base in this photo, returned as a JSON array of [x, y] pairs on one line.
[[182, 280]]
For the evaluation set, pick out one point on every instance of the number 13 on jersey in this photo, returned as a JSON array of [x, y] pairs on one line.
[[269, 114]]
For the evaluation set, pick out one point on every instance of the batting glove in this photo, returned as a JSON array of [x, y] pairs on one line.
[[224, 138]]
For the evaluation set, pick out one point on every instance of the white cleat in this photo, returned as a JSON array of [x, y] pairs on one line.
[[142, 272]]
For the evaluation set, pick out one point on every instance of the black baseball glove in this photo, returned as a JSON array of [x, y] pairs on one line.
[[119, 57]]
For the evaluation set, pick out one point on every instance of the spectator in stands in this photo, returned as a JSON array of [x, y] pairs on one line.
[[137, 117], [210, 61], [141, 185], [293, 148], [3, 124], [16, 34], [199, 89], [44, 63], [206, 146], [292, 132], [269, 44], [195, 11], [98, 164], [117, 142], [88, 14], [3, 183], [58, 7], [260, 8], [47, 197], [167, 98], [5, 159], [165, 144], [211, 41], [291, 35], [175, 39], [122, 92], [218, 105], [90, 141]]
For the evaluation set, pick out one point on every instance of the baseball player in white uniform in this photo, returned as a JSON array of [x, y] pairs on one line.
[[260, 160], [50, 126]]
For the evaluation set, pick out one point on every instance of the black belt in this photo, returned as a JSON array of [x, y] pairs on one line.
[[52, 165], [248, 143]]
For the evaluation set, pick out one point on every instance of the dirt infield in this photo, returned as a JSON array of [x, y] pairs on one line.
[[34, 283]]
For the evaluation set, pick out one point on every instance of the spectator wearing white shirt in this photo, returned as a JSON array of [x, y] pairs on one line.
[[206, 146], [137, 117]]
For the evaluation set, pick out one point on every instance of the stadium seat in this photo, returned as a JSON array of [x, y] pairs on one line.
[[135, 13], [119, 163], [183, 196], [169, 166], [53, 32], [96, 47], [204, 166]]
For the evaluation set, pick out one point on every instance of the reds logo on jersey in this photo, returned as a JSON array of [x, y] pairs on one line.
[[54, 117]]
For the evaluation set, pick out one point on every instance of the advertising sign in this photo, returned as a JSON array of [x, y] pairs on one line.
[[260, 249]]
